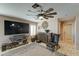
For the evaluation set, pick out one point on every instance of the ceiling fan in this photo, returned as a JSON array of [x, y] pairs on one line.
[[43, 13]]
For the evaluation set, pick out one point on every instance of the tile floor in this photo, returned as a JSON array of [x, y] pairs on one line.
[[68, 50]]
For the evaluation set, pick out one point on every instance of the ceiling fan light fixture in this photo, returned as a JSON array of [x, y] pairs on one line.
[[40, 17], [35, 5], [41, 13]]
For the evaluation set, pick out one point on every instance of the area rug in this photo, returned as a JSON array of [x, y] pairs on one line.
[[33, 49]]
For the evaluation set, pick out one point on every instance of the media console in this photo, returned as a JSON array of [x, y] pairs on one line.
[[16, 41]]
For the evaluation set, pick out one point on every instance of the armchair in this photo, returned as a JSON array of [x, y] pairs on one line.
[[53, 43]]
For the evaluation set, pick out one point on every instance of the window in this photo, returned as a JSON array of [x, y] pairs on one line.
[[33, 29]]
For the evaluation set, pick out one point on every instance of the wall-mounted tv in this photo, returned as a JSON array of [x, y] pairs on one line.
[[12, 27]]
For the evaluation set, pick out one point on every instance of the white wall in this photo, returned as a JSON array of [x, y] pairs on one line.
[[5, 38], [77, 32], [52, 25]]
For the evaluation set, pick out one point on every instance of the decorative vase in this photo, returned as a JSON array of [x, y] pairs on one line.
[[47, 31]]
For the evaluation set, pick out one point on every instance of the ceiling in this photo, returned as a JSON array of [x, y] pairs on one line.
[[20, 9]]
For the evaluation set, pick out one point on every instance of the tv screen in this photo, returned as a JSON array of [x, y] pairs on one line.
[[12, 27]]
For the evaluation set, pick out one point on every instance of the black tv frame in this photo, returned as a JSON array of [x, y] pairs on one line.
[[20, 28]]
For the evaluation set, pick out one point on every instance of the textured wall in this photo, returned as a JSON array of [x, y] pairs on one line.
[[52, 25]]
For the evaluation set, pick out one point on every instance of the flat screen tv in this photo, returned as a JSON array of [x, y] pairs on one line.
[[12, 27]]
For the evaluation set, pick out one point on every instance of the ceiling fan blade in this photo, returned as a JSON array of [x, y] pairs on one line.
[[31, 15], [50, 16], [54, 13], [35, 5], [31, 11], [46, 17], [49, 10]]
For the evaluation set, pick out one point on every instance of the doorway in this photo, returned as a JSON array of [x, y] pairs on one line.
[[66, 29]]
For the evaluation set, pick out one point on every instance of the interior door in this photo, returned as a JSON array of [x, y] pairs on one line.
[[67, 32]]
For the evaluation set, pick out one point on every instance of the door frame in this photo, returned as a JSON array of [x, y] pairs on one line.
[[73, 18]]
